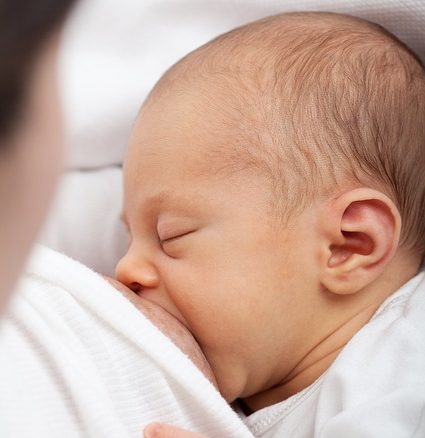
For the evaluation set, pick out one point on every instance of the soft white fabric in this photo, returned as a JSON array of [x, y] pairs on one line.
[[85, 220], [374, 389], [78, 360], [115, 51]]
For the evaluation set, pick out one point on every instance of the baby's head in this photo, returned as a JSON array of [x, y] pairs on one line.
[[274, 193]]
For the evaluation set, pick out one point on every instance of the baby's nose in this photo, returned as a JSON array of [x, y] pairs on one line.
[[137, 274]]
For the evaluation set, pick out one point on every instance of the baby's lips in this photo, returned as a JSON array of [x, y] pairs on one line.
[[117, 285]]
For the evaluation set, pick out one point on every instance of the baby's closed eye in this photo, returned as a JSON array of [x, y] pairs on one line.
[[173, 236], [172, 232], [175, 245]]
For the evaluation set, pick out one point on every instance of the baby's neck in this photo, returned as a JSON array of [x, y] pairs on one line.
[[313, 364], [318, 359]]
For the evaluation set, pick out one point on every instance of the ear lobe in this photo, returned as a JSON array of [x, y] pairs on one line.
[[363, 229]]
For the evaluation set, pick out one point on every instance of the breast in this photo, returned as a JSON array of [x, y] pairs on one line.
[[170, 327]]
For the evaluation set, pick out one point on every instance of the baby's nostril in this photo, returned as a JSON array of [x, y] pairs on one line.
[[135, 287]]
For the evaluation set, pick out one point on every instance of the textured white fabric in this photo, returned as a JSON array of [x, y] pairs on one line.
[[78, 360], [374, 389], [115, 51]]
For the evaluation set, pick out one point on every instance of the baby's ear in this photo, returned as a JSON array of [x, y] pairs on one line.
[[360, 234]]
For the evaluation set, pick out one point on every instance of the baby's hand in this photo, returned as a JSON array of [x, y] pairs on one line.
[[157, 430]]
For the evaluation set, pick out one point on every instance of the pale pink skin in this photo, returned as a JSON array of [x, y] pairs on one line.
[[170, 326], [30, 161]]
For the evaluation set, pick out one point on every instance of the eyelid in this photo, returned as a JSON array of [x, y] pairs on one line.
[[168, 228], [174, 237]]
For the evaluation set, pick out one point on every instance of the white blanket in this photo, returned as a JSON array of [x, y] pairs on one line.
[[77, 359]]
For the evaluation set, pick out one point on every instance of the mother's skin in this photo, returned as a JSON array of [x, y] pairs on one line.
[[31, 148], [182, 338], [170, 327], [30, 156], [30, 127]]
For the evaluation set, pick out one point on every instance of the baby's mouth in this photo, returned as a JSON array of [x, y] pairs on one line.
[[170, 325], [170, 309]]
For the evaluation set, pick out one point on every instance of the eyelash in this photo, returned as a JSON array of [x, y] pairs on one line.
[[170, 239]]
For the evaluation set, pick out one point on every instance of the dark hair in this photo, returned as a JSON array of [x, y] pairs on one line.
[[24, 27]]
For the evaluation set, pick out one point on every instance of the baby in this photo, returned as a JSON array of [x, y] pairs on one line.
[[274, 194]]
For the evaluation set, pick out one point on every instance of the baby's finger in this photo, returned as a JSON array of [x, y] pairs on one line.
[[157, 430]]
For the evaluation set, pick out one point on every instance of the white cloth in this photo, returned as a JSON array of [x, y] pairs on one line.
[[78, 360], [374, 389]]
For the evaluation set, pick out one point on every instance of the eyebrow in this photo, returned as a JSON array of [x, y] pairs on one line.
[[157, 199]]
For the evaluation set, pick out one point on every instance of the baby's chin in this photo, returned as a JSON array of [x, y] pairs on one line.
[[170, 326]]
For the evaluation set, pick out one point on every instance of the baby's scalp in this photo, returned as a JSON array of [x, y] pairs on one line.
[[321, 103]]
